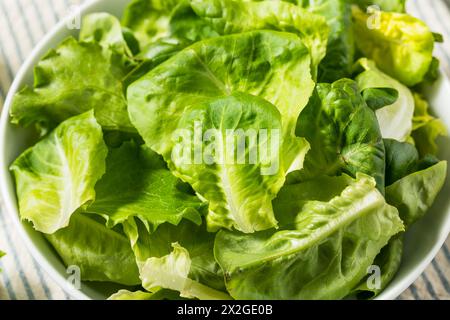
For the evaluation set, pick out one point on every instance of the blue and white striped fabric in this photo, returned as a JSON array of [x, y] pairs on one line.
[[24, 22]]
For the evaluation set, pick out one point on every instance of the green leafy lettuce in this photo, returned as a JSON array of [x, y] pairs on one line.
[[65, 85], [401, 45], [233, 149], [385, 5], [339, 59], [201, 85], [332, 124], [426, 128], [104, 29], [193, 238], [57, 176], [333, 242], [101, 254], [395, 119], [414, 194], [231, 16], [172, 272], [148, 19], [138, 184]]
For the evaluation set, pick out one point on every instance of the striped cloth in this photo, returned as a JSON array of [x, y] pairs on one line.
[[24, 22]]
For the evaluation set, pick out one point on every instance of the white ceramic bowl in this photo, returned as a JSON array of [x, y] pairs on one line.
[[422, 244]]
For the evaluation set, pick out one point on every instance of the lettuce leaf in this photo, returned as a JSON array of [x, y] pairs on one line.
[[58, 175], [401, 45], [194, 82], [396, 120], [149, 19], [231, 16], [66, 85], [141, 295], [339, 59], [332, 124], [402, 159], [389, 261], [101, 254], [426, 128], [385, 5], [203, 267], [138, 184], [172, 272], [334, 243], [415, 194], [104, 29]]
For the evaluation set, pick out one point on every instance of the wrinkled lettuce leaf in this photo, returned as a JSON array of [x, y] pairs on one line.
[[339, 59], [426, 128], [332, 124], [415, 194], [204, 268], [142, 295], [57, 176], [385, 5], [231, 16], [70, 80], [293, 197], [138, 184], [172, 272], [402, 159], [104, 29], [334, 243], [400, 44], [101, 254], [149, 19], [389, 261], [396, 119], [192, 84]]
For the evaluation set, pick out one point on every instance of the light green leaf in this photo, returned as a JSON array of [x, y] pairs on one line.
[[231, 16], [427, 129], [415, 194], [385, 5], [328, 254], [204, 269], [171, 272], [332, 124], [293, 197], [57, 176], [101, 254], [70, 80], [395, 119], [339, 59], [138, 184], [191, 84], [141, 295], [401, 45], [104, 29], [149, 19]]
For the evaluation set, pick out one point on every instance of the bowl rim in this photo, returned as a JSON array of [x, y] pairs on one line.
[[389, 293]]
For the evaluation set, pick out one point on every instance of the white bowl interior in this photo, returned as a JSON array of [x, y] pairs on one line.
[[422, 242]]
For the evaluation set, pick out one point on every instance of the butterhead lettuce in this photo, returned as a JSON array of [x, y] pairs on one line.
[[233, 149], [57, 176]]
